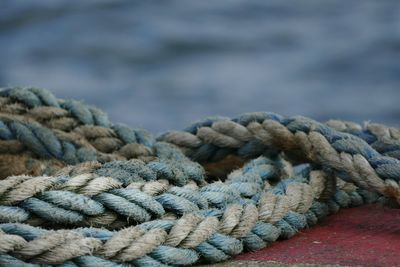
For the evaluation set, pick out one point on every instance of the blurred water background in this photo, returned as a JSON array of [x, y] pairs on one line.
[[162, 64]]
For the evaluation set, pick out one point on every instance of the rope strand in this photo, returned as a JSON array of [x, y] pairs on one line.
[[349, 156], [175, 242]]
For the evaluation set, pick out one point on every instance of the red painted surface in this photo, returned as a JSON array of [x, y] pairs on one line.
[[367, 235]]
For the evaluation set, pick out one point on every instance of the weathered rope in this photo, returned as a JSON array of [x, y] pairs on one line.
[[134, 196], [70, 115], [383, 139], [258, 133], [32, 119], [174, 213], [213, 236]]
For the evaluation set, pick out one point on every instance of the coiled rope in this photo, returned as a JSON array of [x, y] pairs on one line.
[[78, 190], [349, 156]]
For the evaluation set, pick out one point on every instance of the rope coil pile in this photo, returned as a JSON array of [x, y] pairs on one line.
[[78, 190]]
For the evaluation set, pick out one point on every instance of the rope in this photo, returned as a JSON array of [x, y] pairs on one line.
[[214, 235], [348, 156], [68, 130], [93, 199], [77, 190], [383, 139]]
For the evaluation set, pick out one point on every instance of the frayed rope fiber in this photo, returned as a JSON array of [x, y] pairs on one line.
[[78, 190]]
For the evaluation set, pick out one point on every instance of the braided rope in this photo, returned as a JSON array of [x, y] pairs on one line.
[[135, 196], [174, 213], [383, 139], [214, 236], [349, 156], [69, 130]]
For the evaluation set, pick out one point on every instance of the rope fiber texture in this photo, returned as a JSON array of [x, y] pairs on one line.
[[349, 156], [77, 190]]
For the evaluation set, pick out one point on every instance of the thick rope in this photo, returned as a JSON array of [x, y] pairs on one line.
[[213, 236], [135, 196], [33, 119], [383, 139], [174, 213], [349, 156]]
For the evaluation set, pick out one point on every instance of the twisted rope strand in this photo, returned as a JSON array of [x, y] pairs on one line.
[[349, 156], [66, 117], [90, 199], [170, 242], [385, 140]]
